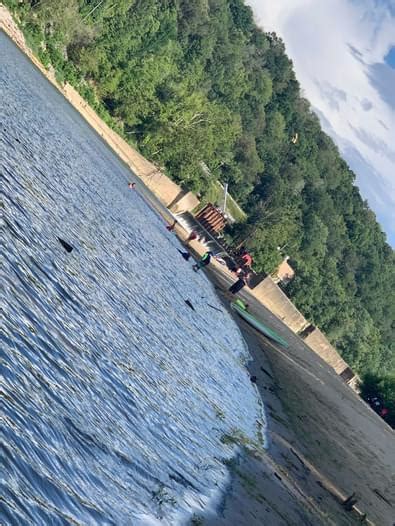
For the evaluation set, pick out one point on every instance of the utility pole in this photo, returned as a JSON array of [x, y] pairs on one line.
[[94, 9], [225, 196]]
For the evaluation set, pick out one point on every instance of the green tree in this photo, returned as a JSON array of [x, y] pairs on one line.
[[374, 386]]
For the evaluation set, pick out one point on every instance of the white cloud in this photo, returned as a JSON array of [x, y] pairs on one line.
[[338, 49]]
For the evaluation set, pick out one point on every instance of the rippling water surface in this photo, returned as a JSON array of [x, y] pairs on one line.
[[114, 395]]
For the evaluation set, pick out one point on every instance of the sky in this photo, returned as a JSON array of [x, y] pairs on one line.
[[343, 53]]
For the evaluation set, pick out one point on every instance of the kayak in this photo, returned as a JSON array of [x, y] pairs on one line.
[[242, 311]]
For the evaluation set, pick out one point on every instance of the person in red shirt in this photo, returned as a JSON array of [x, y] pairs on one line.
[[247, 259]]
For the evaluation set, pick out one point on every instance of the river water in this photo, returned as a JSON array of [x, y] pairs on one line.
[[115, 396]]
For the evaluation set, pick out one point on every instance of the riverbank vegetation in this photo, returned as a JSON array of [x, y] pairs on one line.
[[379, 392], [197, 82]]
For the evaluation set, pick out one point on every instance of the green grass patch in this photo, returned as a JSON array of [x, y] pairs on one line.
[[214, 193]]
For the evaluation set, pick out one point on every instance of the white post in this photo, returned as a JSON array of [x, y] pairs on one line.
[[225, 196], [94, 9]]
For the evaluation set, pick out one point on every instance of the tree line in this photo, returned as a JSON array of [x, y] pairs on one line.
[[198, 82]]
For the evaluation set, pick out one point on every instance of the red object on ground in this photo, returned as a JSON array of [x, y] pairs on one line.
[[192, 236]]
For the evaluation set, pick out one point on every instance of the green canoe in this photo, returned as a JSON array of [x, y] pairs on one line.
[[241, 310]]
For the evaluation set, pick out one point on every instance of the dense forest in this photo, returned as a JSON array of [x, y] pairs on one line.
[[192, 82]]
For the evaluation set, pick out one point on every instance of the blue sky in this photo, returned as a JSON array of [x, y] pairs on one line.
[[344, 57], [389, 59]]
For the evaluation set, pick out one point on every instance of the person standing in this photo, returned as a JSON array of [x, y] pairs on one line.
[[171, 227], [203, 262]]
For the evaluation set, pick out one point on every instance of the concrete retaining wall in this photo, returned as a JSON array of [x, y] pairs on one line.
[[169, 193], [166, 190], [275, 300], [320, 345], [268, 293], [186, 202]]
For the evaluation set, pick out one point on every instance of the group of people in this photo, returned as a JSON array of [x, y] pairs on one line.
[[243, 276], [243, 272]]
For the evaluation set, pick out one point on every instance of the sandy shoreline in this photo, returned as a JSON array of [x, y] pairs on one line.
[[273, 487], [324, 442]]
